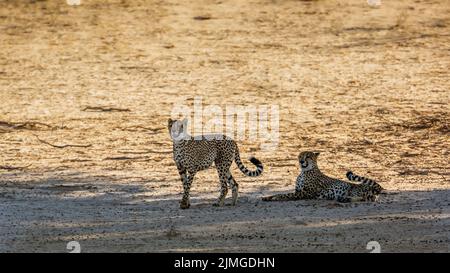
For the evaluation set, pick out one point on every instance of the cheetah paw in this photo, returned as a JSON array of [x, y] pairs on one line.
[[184, 205], [267, 198]]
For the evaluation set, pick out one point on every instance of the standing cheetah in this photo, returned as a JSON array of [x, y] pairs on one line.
[[193, 154], [313, 184]]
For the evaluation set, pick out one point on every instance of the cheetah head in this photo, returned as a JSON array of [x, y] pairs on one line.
[[308, 160], [177, 129]]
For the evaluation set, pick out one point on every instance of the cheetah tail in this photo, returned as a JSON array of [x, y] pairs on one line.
[[244, 170], [371, 183]]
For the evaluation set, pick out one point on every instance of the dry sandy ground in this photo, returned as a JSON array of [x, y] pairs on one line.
[[369, 87]]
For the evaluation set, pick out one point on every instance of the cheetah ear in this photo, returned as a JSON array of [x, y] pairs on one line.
[[185, 122], [316, 154], [170, 123]]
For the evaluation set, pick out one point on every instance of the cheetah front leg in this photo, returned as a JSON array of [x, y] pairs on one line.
[[187, 182], [343, 199], [184, 203], [284, 197]]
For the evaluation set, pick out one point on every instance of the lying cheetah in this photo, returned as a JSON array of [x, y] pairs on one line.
[[313, 184], [193, 154]]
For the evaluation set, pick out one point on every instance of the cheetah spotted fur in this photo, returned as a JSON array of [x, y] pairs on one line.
[[193, 154], [313, 184]]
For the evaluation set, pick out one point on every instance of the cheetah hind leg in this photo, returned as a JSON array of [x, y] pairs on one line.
[[223, 188], [234, 188]]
